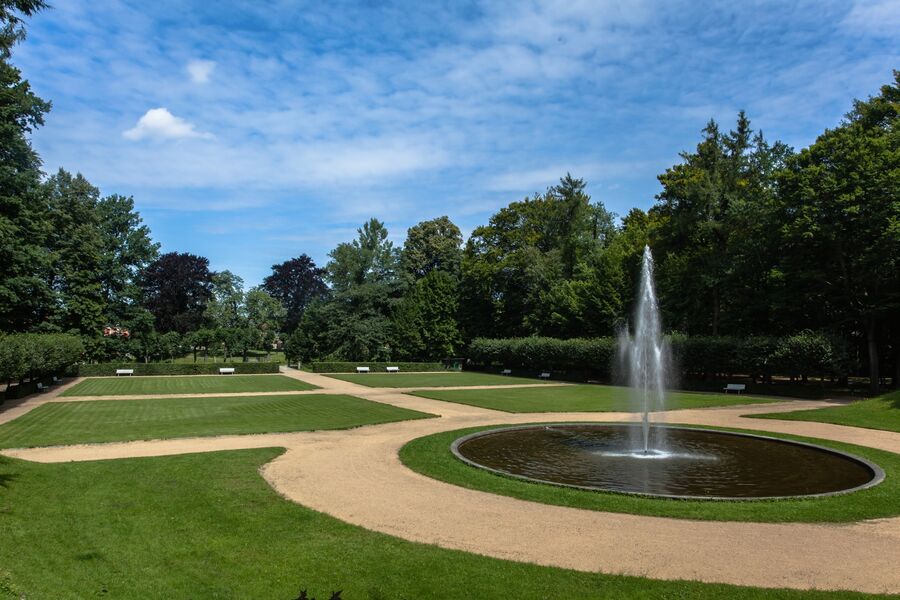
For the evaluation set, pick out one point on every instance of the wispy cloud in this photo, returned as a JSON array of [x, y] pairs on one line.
[[159, 123], [330, 113], [200, 70]]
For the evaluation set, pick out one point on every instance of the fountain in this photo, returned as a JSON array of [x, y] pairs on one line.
[[645, 357], [691, 462]]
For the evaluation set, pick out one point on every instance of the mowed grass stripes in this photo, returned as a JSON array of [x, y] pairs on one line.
[[579, 398], [190, 384], [61, 423]]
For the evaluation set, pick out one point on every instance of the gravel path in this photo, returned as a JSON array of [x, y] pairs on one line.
[[356, 475]]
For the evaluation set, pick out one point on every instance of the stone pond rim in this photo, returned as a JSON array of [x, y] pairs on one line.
[[860, 473]]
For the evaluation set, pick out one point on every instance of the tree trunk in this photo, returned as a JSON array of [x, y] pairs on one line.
[[715, 315], [872, 343], [897, 371]]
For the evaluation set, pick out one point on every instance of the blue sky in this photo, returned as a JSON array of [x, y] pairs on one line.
[[250, 132]]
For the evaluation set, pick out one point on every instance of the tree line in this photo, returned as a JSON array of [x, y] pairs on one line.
[[750, 238]]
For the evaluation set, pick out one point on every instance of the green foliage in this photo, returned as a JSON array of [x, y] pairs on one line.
[[801, 355], [24, 291], [425, 321], [540, 268], [434, 245], [35, 356], [541, 353], [350, 367], [109, 369]]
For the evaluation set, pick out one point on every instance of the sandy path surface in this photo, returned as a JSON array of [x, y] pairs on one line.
[[356, 475]]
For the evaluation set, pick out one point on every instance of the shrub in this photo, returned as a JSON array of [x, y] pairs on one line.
[[37, 355], [350, 367], [806, 353], [241, 368]]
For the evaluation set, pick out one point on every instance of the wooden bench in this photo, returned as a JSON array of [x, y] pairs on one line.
[[544, 375], [362, 369], [735, 387], [506, 372], [226, 370], [124, 372], [392, 369]]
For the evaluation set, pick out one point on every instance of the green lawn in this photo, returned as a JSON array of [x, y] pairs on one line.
[[431, 456], [188, 384], [420, 380], [577, 398], [208, 526], [875, 413], [59, 423]]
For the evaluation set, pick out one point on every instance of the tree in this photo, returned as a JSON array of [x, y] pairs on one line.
[[126, 248], [76, 246], [296, 283], [176, 288], [841, 222], [706, 205], [265, 316], [25, 296], [432, 245], [370, 258], [226, 307], [425, 325]]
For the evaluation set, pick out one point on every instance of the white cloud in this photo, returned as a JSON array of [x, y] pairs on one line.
[[876, 17], [159, 123], [200, 70]]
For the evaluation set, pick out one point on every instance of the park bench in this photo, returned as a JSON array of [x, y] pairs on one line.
[[226, 370], [362, 369], [735, 387], [392, 369], [544, 375], [506, 372], [40, 387], [124, 372]]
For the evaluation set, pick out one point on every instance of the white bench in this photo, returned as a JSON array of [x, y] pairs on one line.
[[735, 387], [544, 375], [40, 387], [506, 372], [124, 372], [392, 369], [226, 370], [362, 369]]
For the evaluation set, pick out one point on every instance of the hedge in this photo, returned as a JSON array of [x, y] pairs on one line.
[[800, 355], [240, 368], [350, 367]]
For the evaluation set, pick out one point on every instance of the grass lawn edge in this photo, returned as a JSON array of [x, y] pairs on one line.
[[431, 456]]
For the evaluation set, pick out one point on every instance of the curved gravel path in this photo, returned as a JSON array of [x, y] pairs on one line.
[[356, 475]]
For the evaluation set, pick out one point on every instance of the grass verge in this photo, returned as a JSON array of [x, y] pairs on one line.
[[413, 380], [91, 421], [207, 526], [875, 413], [192, 384], [431, 456], [579, 398]]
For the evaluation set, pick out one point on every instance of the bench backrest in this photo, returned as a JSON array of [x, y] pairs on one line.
[[545, 375], [224, 370], [362, 369], [736, 386], [392, 369]]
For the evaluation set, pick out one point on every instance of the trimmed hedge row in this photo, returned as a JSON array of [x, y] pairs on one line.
[[800, 355], [37, 355], [240, 368], [350, 367]]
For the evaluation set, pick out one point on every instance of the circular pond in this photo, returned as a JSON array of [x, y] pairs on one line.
[[685, 462]]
